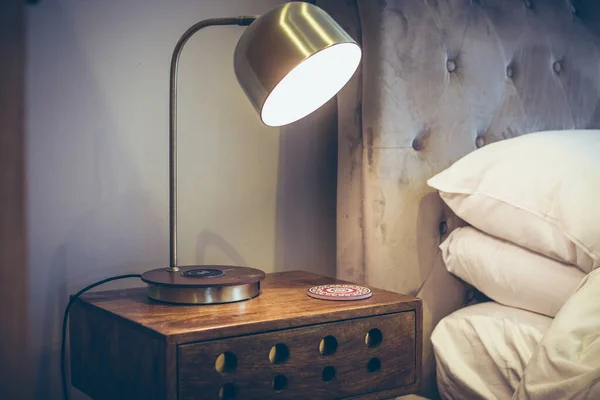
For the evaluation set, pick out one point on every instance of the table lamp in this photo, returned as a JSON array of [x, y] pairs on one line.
[[289, 62]]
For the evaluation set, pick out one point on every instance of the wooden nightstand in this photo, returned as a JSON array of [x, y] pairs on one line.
[[282, 344]]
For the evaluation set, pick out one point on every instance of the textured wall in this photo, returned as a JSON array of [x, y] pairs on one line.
[[97, 85], [439, 79]]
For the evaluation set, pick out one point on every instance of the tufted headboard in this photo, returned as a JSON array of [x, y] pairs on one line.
[[439, 79]]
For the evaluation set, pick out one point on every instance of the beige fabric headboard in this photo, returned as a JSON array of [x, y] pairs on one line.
[[439, 79]]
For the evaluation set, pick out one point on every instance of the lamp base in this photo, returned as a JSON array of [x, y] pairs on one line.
[[203, 284]]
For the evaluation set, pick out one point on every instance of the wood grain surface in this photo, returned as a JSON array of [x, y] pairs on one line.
[[124, 345], [283, 303], [115, 360], [303, 369]]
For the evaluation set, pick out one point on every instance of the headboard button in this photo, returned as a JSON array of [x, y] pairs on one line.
[[479, 142], [417, 145], [510, 71], [557, 67], [528, 3], [443, 227], [451, 65]]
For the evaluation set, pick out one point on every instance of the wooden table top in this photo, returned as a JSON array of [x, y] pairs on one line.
[[282, 303]]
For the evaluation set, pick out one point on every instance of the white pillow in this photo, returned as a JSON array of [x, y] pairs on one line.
[[566, 363], [540, 191], [509, 274], [481, 351]]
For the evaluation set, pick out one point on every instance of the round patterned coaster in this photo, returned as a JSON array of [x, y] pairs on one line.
[[339, 292]]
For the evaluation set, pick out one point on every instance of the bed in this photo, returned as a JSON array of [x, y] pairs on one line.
[[441, 79], [532, 245]]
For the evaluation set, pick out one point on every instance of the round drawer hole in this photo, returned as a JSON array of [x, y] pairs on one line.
[[373, 338], [328, 345], [227, 392], [226, 362], [374, 365], [280, 383], [328, 374], [279, 354]]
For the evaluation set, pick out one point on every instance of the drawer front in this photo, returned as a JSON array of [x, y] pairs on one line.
[[326, 361]]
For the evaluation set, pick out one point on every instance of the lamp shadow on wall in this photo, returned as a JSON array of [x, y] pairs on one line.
[[208, 239], [305, 221], [305, 231]]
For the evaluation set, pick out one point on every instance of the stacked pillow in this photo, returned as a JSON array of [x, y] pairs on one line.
[[533, 203], [509, 274]]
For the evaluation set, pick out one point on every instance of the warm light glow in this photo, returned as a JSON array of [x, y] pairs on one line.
[[311, 84]]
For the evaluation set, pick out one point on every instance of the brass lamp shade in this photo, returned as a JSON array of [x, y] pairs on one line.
[[292, 60]]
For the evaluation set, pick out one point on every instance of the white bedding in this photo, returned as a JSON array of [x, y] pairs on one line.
[[481, 351], [566, 364]]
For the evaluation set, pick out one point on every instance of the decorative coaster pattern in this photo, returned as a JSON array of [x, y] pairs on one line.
[[339, 292]]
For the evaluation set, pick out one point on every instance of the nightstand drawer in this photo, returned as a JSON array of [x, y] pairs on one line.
[[126, 346], [325, 361]]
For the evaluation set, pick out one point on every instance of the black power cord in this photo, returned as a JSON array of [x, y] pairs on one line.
[[66, 317]]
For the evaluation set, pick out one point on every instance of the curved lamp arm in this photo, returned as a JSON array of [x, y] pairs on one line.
[[241, 21]]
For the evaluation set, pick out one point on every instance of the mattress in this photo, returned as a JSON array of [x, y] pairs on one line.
[[481, 350]]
